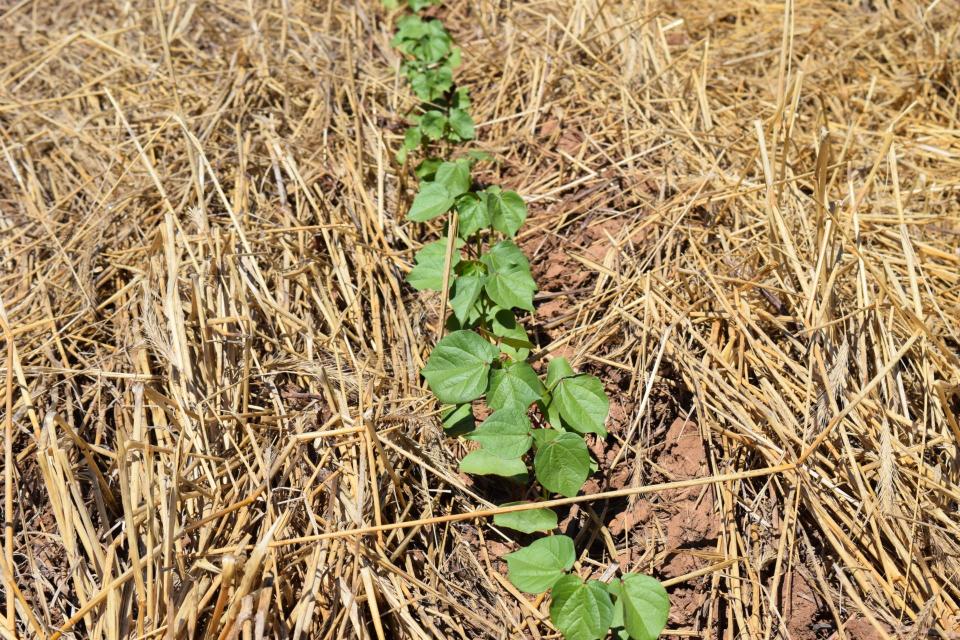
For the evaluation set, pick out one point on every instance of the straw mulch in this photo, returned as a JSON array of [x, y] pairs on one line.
[[745, 217]]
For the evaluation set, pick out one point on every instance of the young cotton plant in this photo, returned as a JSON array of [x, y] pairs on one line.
[[537, 422], [430, 59]]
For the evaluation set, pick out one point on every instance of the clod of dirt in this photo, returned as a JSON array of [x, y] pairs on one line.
[[801, 606], [859, 628]]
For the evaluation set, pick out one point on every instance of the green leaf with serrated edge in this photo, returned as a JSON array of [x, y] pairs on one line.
[[511, 286], [529, 521], [505, 434], [507, 210], [581, 611], [432, 201], [483, 463], [557, 369], [582, 403], [515, 386], [536, 567], [462, 124], [455, 176], [646, 606], [427, 168], [473, 215], [427, 274], [455, 57], [457, 419], [432, 124], [466, 290], [459, 366], [562, 464], [513, 337]]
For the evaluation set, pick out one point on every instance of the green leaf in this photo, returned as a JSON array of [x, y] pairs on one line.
[[552, 414], [557, 370], [466, 291], [646, 606], [582, 403], [473, 215], [510, 283], [562, 464], [427, 168], [459, 366], [483, 463], [474, 314], [432, 201], [506, 253], [617, 630], [513, 338], [479, 156], [543, 436], [457, 419], [432, 124], [430, 84], [409, 30], [516, 386], [461, 99], [505, 434], [507, 210], [417, 5], [462, 125], [527, 521], [433, 48], [427, 41], [535, 568], [427, 274], [581, 611], [455, 176], [470, 267], [511, 287], [412, 138]]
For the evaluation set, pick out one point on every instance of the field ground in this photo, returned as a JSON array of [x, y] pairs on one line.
[[745, 218]]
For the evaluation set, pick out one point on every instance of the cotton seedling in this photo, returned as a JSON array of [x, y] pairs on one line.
[[537, 423], [430, 59]]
